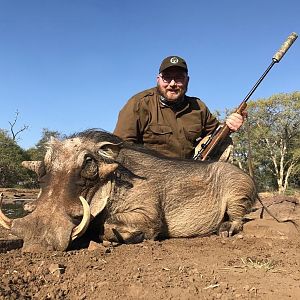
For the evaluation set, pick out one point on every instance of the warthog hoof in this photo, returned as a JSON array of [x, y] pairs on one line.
[[228, 228], [122, 234]]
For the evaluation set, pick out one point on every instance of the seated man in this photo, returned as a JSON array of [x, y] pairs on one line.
[[165, 119]]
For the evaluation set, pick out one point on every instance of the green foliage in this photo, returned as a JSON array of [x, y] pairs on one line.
[[11, 156], [12, 174], [38, 152], [272, 139]]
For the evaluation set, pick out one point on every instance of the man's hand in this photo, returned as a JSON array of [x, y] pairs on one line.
[[235, 121]]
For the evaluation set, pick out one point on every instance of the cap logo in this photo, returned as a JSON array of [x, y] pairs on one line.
[[174, 60]]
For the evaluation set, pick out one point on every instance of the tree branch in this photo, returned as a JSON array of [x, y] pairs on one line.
[[14, 133]]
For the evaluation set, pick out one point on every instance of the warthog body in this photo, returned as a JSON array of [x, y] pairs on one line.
[[137, 194]]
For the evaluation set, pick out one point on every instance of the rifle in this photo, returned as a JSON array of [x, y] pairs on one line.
[[209, 143]]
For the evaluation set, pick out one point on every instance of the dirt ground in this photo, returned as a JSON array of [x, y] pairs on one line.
[[262, 262]]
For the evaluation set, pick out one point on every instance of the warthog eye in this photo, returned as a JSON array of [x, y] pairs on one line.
[[89, 168]]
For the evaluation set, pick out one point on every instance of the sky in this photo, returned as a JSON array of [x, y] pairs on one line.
[[70, 65]]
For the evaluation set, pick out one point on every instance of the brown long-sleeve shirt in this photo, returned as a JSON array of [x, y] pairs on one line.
[[172, 132]]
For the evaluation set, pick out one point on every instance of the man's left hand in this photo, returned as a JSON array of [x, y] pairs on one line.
[[235, 121]]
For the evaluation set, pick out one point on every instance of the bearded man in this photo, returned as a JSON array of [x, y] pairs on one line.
[[165, 119]]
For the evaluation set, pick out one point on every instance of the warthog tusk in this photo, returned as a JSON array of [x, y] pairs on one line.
[[82, 227], [4, 220]]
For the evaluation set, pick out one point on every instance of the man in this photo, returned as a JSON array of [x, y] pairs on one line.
[[165, 119]]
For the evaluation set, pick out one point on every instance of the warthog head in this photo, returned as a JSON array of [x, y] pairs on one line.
[[74, 186]]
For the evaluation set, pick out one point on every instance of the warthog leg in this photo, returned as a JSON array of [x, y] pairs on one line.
[[122, 234], [131, 227], [229, 228], [236, 210]]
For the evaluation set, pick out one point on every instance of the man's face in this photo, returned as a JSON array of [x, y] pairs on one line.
[[172, 83]]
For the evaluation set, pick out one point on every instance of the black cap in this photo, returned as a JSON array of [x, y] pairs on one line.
[[173, 61]]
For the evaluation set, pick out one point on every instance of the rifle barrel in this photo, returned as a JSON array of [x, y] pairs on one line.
[[259, 80], [225, 131], [276, 58]]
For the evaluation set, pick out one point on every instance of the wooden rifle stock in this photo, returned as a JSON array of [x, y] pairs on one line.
[[208, 144]]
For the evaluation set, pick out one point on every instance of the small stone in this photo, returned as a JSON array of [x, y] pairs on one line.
[[95, 246], [106, 243], [56, 269]]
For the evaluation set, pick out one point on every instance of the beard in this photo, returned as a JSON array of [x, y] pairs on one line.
[[172, 95]]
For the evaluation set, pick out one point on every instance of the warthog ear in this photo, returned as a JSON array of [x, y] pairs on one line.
[[35, 166], [106, 169], [109, 150]]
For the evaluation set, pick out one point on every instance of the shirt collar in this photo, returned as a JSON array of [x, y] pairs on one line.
[[175, 106]]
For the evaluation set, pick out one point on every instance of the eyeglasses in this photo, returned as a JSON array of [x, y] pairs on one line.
[[179, 79]]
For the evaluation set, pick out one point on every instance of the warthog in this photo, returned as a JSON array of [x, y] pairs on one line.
[[135, 193]]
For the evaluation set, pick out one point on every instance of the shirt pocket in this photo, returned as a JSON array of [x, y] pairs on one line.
[[157, 134], [193, 132]]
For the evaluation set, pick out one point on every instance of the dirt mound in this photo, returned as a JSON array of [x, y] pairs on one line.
[[200, 268], [263, 262]]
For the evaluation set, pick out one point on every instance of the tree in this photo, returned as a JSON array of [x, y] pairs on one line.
[[14, 133], [275, 134], [11, 156], [38, 152]]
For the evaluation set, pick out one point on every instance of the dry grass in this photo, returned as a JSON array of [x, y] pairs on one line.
[[254, 263], [263, 264]]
